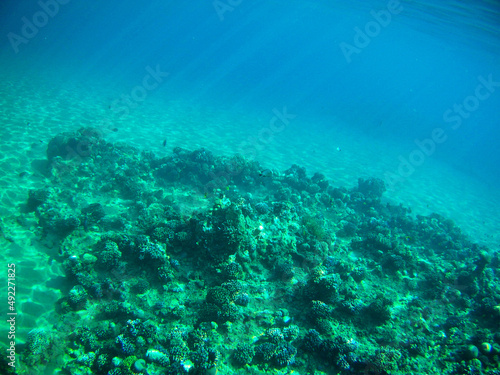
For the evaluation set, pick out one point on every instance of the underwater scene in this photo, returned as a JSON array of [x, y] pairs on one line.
[[250, 187]]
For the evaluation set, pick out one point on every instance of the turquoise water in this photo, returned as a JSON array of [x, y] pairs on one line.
[[404, 92]]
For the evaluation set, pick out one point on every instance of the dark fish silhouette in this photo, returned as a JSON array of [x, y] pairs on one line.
[[164, 143], [266, 173]]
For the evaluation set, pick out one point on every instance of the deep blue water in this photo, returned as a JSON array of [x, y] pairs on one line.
[[407, 66]]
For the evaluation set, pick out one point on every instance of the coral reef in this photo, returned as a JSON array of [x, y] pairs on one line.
[[196, 263]]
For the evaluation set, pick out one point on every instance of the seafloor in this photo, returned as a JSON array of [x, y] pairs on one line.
[[179, 260], [199, 263]]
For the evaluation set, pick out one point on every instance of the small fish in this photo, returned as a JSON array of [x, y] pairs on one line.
[[164, 143], [266, 173], [114, 129], [23, 174], [339, 149]]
